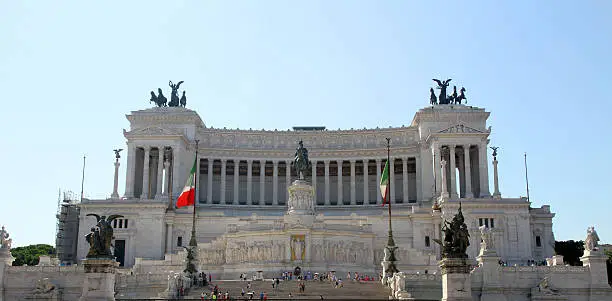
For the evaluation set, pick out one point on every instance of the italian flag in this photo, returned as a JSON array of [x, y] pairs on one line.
[[384, 183], [187, 197]]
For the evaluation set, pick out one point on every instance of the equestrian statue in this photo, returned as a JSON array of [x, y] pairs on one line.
[[300, 161]]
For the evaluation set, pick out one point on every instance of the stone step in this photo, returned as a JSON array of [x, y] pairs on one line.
[[351, 290]]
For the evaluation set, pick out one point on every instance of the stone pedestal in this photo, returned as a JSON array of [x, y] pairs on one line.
[[456, 282], [596, 261], [301, 198], [492, 286], [6, 257], [99, 282]]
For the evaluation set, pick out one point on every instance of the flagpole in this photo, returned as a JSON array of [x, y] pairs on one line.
[[192, 241], [526, 178], [388, 263]]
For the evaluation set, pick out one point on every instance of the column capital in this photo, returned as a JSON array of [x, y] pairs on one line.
[[249, 161], [352, 161], [339, 161], [223, 160], [275, 163], [288, 162], [467, 146], [378, 161], [326, 162]]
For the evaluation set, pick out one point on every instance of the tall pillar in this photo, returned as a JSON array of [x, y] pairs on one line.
[[405, 178], [223, 176], [236, 182], [378, 195], [392, 178], [209, 190], [146, 187], [275, 183], [249, 182], [288, 175], [327, 201], [262, 182], [419, 178], [314, 178], [366, 188], [115, 194], [197, 196], [484, 170], [340, 200], [167, 178], [160, 171], [130, 171], [436, 166], [496, 193], [467, 171], [169, 230], [453, 172], [443, 178], [176, 173], [353, 184]]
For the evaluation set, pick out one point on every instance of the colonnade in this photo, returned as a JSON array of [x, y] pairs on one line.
[[336, 182], [149, 171], [468, 163]]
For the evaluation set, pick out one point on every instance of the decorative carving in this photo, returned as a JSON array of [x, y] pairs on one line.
[[545, 288], [487, 245], [44, 288], [298, 249], [460, 128]]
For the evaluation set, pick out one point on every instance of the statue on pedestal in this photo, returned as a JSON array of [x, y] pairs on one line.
[[101, 236], [301, 162], [5, 241], [591, 241]]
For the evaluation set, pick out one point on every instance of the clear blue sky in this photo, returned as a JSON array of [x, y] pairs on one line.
[[70, 71]]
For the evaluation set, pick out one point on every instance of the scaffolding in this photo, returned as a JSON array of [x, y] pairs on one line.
[[67, 227]]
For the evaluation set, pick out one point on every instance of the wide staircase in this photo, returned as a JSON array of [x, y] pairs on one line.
[[350, 290]]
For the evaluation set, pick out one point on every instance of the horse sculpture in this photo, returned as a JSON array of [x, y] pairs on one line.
[[160, 100], [433, 100], [461, 96]]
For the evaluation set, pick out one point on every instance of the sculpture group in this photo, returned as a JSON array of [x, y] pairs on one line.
[[161, 101], [444, 99], [456, 237], [101, 237]]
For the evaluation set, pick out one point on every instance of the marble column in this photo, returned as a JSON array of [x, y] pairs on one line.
[[453, 172], [249, 182], [467, 171], [435, 150], [340, 196], [327, 201], [197, 196], [262, 182], [169, 230], [378, 195], [314, 178], [160, 171], [419, 178], [130, 171], [392, 179], [177, 184], [353, 183], [223, 178], [405, 178], [484, 170], [167, 177], [115, 194], [146, 174], [209, 188], [288, 175], [236, 182], [496, 193], [275, 183], [366, 186], [443, 178]]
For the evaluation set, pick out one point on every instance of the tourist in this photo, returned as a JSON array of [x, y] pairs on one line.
[[214, 297], [261, 295], [321, 297], [242, 293], [265, 296], [203, 296], [290, 296], [249, 285], [277, 282]]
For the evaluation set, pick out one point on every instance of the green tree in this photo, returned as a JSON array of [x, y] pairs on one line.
[[571, 251], [29, 254]]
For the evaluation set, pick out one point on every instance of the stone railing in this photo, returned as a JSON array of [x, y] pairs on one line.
[[45, 269], [547, 269]]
